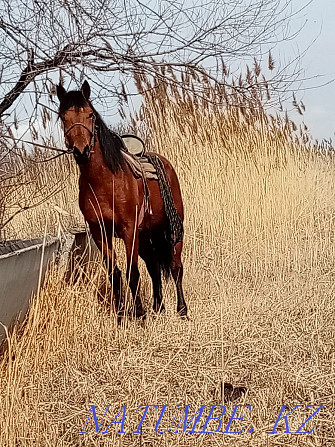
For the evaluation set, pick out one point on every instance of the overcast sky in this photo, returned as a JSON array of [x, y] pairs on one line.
[[315, 44], [319, 19], [318, 38]]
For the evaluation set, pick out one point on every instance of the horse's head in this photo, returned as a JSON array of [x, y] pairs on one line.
[[78, 119]]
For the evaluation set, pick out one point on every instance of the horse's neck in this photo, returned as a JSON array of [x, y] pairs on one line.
[[93, 170]]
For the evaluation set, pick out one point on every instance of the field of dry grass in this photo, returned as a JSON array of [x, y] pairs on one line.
[[259, 281]]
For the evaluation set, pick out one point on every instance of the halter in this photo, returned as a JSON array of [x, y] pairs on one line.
[[91, 132]]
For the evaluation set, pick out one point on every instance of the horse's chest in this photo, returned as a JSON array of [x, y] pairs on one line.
[[96, 206], [114, 203]]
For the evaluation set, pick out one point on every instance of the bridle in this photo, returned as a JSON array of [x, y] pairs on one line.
[[92, 134]]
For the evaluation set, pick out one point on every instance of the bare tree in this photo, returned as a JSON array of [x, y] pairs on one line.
[[104, 37], [111, 42]]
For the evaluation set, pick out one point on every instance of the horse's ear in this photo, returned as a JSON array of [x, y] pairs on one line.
[[86, 90], [61, 92]]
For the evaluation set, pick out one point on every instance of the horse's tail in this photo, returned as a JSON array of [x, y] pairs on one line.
[[163, 249], [176, 229], [166, 240]]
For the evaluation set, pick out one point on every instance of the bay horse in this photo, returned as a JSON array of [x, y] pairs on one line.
[[111, 197]]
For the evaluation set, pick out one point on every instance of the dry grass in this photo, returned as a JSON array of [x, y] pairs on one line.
[[41, 195], [259, 281]]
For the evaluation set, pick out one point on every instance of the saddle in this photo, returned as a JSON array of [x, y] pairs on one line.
[[148, 166], [136, 158], [134, 154]]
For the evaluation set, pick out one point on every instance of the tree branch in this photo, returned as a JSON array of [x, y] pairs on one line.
[[30, 72]]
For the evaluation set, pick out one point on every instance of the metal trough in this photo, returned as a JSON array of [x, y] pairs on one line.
[[20, 266]]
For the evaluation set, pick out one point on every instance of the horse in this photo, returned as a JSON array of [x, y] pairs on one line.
[[112, 200]]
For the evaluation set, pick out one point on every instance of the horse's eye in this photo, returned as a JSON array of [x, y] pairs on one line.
[[91, 115]]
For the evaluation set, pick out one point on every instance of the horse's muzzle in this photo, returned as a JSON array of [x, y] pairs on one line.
[[82, 157]]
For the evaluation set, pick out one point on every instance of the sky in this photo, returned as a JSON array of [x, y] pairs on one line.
[[318, 37], [315, 44]]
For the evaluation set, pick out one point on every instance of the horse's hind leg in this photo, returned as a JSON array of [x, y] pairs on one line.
[[149, 257], [177, 274], [155, 273]]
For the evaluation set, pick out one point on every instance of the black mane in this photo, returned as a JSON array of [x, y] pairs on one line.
[[111, 144]]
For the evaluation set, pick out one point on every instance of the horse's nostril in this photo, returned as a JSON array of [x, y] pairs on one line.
[[83, 156], [76, 152], [83, 151]]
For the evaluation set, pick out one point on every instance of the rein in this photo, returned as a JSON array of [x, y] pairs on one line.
[[43, 146]]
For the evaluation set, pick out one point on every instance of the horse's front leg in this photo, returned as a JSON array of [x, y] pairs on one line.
[[131, 240], [114, 273]]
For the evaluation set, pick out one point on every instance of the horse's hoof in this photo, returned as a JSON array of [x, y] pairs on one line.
[[160, 309], [183, 313], [120, 315], [142, 319], [140, 315]]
